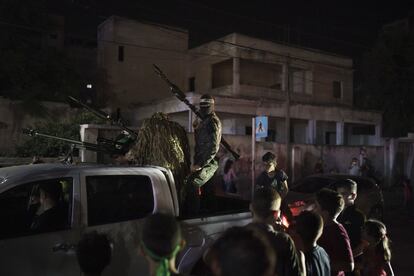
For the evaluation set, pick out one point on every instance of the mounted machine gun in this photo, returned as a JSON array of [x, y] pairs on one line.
[[102, 147], [119, 146]]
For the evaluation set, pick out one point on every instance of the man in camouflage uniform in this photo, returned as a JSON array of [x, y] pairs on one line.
[[207, 134]]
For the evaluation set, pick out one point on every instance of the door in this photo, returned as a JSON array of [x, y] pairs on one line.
[[38, 233], [116, 203]]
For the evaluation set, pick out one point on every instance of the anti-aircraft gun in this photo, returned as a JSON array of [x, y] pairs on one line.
[[119, 146]]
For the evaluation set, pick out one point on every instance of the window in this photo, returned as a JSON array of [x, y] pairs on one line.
[[120, 53], [300, 81], [297, 81], [222, 73], [260, 74], [118, 198], [330, 138], [337, 89], [271, 135], [19, 205], [312, 185], [191, 84], [363, 130], [363, 184]]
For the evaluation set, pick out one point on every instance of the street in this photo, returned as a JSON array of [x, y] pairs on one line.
[[400, 231]]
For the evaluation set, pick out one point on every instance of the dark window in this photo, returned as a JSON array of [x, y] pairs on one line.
[[271, 135], [297, 80], [312, 185], [191, 84], [364, 184], [337, 89], [91, 44], [120, 53], [260, 74], [19, 205], [222, 73], [363, 130], [248, 130], [118, 198], [330, 138]]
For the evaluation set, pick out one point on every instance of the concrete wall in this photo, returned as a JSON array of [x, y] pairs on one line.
[[323, 77], [133, 81], [304, 158]]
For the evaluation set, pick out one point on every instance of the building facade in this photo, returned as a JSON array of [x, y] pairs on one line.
[[126, 51], [306, 94], [251, 77]]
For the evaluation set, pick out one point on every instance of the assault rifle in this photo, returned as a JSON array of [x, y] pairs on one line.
[[181, 96]]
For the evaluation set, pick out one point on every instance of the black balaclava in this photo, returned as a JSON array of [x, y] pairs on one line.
[[206, 105]]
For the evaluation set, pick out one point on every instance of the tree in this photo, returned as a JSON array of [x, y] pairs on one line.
[[387, 79], [30, 70], [45, 147]]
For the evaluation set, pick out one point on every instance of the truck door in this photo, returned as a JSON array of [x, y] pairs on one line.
[[116, 202], [38, 238]]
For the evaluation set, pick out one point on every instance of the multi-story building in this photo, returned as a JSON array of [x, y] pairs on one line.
[[306, 94], [126, 51], [251, 77]]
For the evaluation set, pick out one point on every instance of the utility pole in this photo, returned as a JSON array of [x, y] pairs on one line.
[[287, 117]]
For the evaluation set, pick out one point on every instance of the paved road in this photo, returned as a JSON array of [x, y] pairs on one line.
[[401, 232]]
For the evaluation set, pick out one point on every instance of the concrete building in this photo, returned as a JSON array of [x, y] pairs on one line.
[[126, 51], [308, 90], [251, 77]]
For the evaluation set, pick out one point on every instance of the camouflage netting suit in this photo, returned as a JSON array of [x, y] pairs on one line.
[[164, 143]]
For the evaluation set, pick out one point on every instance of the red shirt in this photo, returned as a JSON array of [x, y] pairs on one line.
[[336, 243], [374, 264]]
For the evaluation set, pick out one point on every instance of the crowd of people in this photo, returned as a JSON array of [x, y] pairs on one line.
[[334, 238]]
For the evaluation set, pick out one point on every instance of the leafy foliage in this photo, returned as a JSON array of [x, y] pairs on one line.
[[388, 80], [45, 147], [164, 143]]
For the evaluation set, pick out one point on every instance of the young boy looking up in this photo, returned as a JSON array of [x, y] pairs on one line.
[[309, 226]]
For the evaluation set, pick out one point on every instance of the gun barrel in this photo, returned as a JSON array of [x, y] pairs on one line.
[[98, 113], [104, 116], [79, 144]]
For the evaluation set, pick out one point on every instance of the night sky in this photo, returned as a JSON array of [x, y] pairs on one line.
[[344, 27]]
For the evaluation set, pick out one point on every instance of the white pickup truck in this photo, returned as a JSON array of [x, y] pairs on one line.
[[108, 199]]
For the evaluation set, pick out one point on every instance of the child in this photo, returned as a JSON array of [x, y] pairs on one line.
[[94, 253], [334, 238], [309, 227], [354, 168], [241, 251], [377, 255], [229, 177], [161, 240]]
